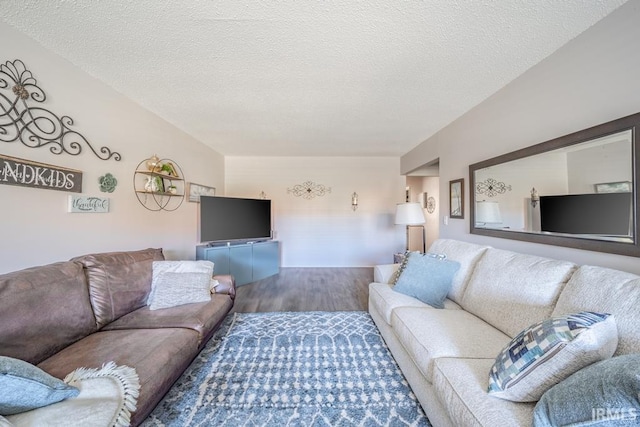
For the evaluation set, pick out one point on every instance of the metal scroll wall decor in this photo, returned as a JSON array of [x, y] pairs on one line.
[[23, 119], [308, 190], [491, 188]]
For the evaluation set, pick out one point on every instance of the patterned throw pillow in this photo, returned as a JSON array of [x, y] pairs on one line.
[[175, 289], [161, 267], [398, 272], [24, 387], [547, 352], [427, 277]]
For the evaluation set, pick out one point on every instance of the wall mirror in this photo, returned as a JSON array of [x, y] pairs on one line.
[[579, 190]]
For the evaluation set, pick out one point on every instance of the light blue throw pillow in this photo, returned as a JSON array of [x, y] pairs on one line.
[[427, 277], [604, 393], [24, 387]]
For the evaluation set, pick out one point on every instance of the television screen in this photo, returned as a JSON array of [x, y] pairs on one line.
[[224, 219], [606, 214]]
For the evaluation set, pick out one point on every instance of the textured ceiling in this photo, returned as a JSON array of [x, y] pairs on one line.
[[306, 77]]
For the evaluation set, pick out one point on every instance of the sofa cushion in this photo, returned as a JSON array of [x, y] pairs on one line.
[[605, 392], [159, 357], [512, 291], [548, 352], [42, 310], [426, 277], [467, 254], [119, 282], [427, 334], [203, 318], [461, 386], [606, 291], [26, 387], [385, 300]]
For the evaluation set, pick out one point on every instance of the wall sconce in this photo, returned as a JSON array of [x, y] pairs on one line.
[[354, 201], [535, 198]]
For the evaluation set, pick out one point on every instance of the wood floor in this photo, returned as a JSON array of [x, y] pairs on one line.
[[307, 289]]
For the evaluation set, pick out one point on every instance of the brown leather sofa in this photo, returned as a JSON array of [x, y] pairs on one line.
[[92, 310]]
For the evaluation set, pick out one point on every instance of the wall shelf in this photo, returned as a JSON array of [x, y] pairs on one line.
[[156, 189]]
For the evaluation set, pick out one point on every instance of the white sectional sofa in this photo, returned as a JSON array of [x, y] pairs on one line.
[[446, 354]]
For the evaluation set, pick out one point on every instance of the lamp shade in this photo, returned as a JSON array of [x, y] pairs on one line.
[[488, 213], [409, 214]]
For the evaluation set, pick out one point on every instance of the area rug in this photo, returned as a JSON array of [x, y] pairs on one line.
[[292, 369]]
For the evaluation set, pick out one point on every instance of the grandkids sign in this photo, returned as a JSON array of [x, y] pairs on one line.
[[14, 171]]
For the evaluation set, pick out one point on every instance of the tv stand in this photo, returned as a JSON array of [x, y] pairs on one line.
[[246, 262]]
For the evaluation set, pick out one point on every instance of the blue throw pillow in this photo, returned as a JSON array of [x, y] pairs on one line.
[[604, 393], [24, 387], [547, 352], [427, 277]]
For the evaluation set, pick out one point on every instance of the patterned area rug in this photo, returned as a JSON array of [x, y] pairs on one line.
[[292, 369]]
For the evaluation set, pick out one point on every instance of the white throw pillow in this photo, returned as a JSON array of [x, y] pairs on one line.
[[162, 267], [174, 289]]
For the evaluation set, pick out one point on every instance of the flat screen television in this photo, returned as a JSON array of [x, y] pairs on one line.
[[230, 219], [605, 214]]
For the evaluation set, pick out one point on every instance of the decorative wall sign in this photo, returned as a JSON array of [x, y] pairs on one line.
[[32, 125], [308, 190], [491, 188], [88, 204], [197, 190], [107, 183], [25, 173]]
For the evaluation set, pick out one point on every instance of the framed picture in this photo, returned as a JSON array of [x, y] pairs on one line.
[[614, 187], [194, 191], [456, 198]]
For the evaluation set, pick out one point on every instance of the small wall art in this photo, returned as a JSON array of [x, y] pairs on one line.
[[491, 188], [456, 198], [308, 190], [196, 190], [614, 187], [107, 183], [88, 204]]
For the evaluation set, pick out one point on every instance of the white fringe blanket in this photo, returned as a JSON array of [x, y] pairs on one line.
[[107, 398]]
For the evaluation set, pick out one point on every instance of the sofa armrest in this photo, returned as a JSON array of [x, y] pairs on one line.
[[383, 273], [226, 285]]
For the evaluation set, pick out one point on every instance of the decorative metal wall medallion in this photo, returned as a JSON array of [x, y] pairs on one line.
[[431, 205], [25, 173], [309, 190], [491, 188], [32, 125]]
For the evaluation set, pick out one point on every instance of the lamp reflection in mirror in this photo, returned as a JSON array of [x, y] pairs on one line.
[[535, 197], [487, 212], [410, 214], [354, 201]]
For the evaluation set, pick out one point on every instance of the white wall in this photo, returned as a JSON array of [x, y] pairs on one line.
[[34, 224], [325, 231], [591, 80]]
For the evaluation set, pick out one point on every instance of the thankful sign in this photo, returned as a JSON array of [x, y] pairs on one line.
[[14, 171]]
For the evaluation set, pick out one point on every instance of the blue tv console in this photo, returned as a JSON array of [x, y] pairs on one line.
[[246, 262]]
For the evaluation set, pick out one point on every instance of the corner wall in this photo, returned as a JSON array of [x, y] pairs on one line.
[[324, 231], [35, 226], [591, 80]]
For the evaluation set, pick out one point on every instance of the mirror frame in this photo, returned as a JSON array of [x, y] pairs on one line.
[[632, 123]]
